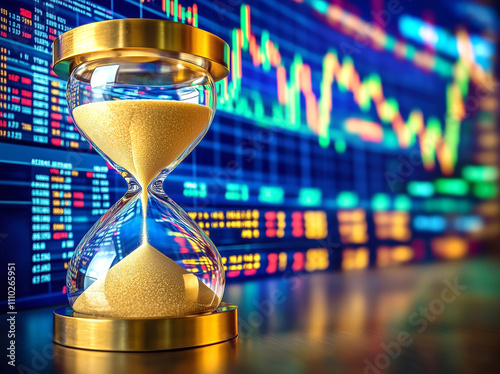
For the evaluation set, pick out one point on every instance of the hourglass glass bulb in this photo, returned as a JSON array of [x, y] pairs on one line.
[[144, 137]]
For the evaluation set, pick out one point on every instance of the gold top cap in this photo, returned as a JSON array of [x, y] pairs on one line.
[[134, 37]]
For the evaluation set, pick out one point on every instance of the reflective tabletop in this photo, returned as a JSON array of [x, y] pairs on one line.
[[435, 318]]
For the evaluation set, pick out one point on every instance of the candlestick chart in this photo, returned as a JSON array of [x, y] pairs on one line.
[[348, 135], [436, 140]]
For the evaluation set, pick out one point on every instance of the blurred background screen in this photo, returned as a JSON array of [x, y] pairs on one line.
[[349, 135]]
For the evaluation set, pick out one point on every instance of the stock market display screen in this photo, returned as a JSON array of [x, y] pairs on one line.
[[349, 135]]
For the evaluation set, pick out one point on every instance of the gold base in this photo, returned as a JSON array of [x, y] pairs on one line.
[[209, 359], [156, 334]]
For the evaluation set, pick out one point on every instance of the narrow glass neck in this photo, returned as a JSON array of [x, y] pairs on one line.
[[133, 187], [155, 186]]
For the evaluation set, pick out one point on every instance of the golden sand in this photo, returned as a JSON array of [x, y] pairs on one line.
[[146, 283], [144, 137]]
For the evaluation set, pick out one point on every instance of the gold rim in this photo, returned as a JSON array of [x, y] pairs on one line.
[[134, 37], [155, 334]]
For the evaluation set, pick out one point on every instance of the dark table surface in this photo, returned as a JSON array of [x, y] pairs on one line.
[[436, 318]]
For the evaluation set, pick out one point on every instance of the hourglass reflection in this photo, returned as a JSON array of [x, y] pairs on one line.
[[144, 108]]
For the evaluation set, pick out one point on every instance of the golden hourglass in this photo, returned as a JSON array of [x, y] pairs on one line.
[[145, 277]]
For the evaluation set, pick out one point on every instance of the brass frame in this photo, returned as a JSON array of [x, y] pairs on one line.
[[153, 334], [142, 38]]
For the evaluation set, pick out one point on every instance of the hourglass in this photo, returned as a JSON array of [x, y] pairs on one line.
[[145, 277]]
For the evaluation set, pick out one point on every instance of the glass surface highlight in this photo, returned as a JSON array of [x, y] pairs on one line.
[[145, 257]]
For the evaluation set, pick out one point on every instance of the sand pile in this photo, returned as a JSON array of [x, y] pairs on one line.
[[144, 137]]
